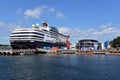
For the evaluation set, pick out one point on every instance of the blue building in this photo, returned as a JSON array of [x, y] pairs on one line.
[[106, 43]]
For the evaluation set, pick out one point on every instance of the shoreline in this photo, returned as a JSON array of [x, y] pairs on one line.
[[77, 52]]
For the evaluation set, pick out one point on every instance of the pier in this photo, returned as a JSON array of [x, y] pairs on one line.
[[43, 51], [17, 52], [99, 52], [5, 52]]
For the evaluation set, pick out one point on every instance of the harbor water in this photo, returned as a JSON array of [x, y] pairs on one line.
[[60, 67]]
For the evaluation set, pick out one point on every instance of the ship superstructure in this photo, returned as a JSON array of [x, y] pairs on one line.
[[38, 37]]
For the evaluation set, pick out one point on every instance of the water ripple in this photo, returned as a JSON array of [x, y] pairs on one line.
[[62, 67]]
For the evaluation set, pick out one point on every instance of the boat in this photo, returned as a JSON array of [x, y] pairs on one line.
[[37, 36]]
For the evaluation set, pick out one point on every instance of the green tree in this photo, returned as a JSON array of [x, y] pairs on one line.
[[115, 42]]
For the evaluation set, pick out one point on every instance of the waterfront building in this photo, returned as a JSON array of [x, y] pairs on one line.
[[88, 44]]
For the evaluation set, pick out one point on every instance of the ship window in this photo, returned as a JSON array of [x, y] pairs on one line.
[[39, 33], [29, 33], [27, 36]]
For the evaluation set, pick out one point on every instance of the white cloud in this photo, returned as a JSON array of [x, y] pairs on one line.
[[4, 27], [102, 33], [59, 15], [41, 10], [34, 13], [64, 30], [5, 31]]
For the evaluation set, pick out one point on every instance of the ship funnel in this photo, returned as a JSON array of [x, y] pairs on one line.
[[45, 24]]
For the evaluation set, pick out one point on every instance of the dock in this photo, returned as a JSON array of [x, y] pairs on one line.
[[5, 52], [43, 51], [100, 52], [17, 52]]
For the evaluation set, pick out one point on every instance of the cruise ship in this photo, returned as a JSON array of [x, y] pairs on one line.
[[38, 37]]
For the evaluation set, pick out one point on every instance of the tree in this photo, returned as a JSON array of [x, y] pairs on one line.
[[115, 43]]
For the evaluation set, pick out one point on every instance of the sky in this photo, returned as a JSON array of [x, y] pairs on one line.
[[81, 19]]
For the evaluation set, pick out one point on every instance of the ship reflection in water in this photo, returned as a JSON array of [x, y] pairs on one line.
[[60, 67]]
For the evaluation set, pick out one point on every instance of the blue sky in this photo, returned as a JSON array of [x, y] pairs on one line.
[[96, 19]]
